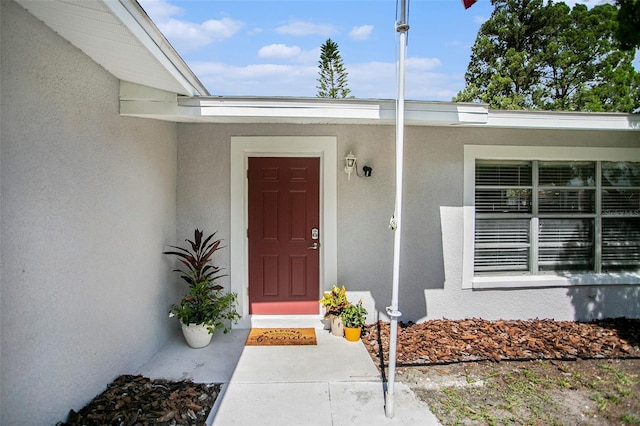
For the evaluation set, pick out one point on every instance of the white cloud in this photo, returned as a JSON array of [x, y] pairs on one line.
[[160, 10], [257, 79], [279, 51], [422, 64], [306, 28], [187, 36], [362, 32], [289, 53], [221, 29], [378, 80], [309, 56]]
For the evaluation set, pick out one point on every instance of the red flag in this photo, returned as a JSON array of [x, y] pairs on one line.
[[468, 3]]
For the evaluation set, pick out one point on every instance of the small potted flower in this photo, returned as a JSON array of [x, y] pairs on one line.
[[353, 318], [205, 308], [334, 302]]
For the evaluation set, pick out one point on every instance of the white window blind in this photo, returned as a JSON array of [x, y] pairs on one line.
[[620, 216], [538, 217]]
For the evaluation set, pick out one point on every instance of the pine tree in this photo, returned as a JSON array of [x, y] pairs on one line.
[[332, 75]]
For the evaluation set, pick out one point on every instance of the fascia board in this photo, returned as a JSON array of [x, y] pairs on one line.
[[346, 110], [564, 120]]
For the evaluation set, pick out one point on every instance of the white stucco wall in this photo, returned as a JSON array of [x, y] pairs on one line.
[[364, 205], [431, 267], [88, 204]]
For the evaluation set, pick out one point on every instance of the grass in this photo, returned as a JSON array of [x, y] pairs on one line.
[[615, 390], [454, 402], [630, 419], [534, 394]]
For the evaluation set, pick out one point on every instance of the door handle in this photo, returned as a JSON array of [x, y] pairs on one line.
[[314, 246]]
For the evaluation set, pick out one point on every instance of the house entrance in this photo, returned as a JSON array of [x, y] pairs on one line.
[[284, 235]]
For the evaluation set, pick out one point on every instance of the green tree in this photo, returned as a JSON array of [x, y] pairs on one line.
[[332, 74], [628, 32], [532, 55]]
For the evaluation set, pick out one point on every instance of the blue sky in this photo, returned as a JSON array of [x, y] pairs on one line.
[[272, 48]]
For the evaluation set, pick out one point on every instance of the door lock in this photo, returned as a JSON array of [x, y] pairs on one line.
[[314, 234]]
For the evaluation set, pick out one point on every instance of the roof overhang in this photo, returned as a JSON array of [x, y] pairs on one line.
[[121, 37], [137, 101]]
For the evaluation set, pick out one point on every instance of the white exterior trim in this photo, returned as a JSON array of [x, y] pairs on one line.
[[243, 147], [501, 152], [555, 280], [563, 120]]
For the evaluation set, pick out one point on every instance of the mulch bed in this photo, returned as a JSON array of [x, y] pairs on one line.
[[137, 400], [448, 341]]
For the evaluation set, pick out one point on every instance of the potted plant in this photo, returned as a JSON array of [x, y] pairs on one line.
[[353, 318], [335, 301], [205, 308]]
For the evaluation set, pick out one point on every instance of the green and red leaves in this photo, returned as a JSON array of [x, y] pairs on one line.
[[197, 259]]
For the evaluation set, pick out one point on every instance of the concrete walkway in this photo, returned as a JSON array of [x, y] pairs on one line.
[[333, 383]]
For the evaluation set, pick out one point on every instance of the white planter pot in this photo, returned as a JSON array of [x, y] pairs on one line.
[[196, 335], [337, 329]]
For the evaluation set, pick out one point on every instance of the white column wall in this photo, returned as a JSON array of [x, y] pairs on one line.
[[88, 205]]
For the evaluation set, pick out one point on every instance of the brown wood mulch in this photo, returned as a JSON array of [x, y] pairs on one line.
[[137, 400], [449, 341]]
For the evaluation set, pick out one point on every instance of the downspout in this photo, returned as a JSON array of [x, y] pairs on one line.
[[396, 220]]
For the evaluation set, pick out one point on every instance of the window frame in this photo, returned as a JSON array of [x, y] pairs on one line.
[[472, 153]]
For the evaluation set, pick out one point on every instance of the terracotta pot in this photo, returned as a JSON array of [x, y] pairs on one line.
[[352, 334], [337, 329], [196, 335]]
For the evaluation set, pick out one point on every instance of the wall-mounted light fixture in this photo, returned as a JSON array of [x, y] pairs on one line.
[[350, 165]]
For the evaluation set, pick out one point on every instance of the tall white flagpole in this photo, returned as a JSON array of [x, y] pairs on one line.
[[396, 221]]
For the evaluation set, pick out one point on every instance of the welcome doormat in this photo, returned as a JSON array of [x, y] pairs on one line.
[[281, 337]]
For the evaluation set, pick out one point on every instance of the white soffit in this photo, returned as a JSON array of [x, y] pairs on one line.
[[118, 35]]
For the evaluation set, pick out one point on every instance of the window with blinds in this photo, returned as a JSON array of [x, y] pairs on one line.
[[537, 217]]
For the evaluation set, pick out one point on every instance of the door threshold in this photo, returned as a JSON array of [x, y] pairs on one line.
[[283, 321]]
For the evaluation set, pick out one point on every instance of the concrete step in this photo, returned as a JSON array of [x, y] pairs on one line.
[[285, 321]]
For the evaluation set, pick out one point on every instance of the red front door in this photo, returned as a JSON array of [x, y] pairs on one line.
[[284, 235]]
